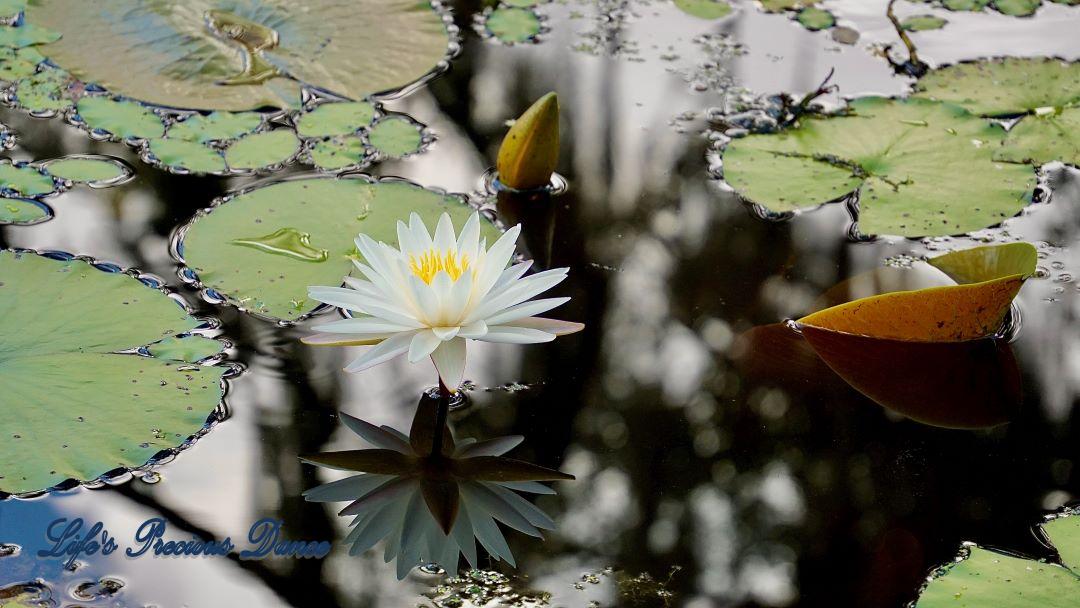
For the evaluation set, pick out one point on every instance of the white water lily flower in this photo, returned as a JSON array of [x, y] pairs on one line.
[[432, 294]]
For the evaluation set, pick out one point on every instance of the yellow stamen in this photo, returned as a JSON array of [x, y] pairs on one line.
[[431, 262]]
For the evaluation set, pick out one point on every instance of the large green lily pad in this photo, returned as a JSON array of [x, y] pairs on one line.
[[193, 53], [263, 248], [1042, 139], [985, 578], [920, 168], [72, 407], [1004, 87]]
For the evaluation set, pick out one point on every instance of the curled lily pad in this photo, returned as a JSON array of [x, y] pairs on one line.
[[93, 170], [186, 155], [336, 118], [922, 23], [243, 54], [920, 168], [396, 136], [120, 118], [338, 153], [987, 577], [511, 24], [813, 18], [262, 150], [704, 9], [190, 348], [216, 126], [272, 280], [23, 211], [25, 180], [76, 405]]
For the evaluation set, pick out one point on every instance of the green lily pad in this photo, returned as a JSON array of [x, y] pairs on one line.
[[1004, 87], [96, 171], [190, 349], [813, 18], [16, 64], [262, 150], [1043, 139], [26, 35], [922, 23], [180, 53], [187, 155], [1017, 8], [339, 118], [272, 280], [921, 168], [395, 136], [44, 91], [12, 7], [704, 9], [123, 119], [72, 407], [984, 577], [25, 180], [776, 6], [23, 211], [338, 153], [965, 5], [216, 126], [511, 25]]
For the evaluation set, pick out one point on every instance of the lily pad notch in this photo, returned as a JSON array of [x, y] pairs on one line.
[[105, 406]]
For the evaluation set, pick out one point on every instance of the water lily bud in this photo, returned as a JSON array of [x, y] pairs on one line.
[[530, 150]]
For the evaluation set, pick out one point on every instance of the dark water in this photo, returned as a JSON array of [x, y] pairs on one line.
[[743, 490]]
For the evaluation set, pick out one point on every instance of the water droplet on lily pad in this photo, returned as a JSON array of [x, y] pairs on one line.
[[288, 242], [207, 55], [396, 136], [81, 406], [330, 210], [262, 150]]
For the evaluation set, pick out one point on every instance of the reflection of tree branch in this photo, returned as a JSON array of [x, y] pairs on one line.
[[913, 66], [294, 595], [804, 104]]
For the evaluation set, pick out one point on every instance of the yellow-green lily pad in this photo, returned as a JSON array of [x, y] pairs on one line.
[[262, 150]]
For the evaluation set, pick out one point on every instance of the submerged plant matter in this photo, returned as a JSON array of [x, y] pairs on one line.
[[429, 495], [432, 294]]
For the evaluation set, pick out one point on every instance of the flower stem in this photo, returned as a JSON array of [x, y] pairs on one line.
[[441, 412]]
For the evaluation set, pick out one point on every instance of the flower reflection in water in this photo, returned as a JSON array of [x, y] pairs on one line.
[[430, 496]]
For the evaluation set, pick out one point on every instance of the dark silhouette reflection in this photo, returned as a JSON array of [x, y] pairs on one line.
[[963, 385], [429, 495]]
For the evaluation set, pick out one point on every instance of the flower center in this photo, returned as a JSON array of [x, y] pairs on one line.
[[429, 263]]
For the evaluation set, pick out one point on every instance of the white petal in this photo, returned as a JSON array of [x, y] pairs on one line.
[[426, 299], [496, 259], [446, 333], [376, 436], [457, 298], [551, 326], [376, 306], [363, 325], [382, 352], [516, 335], [469, 240], [444, 234], [422, 345], [527, 309], [517, 292], [331, 339], [421, 236], [404, 236], [474, 330], [364, 287], [449, 359], [372, 253], [511, 274], [491, 447]]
